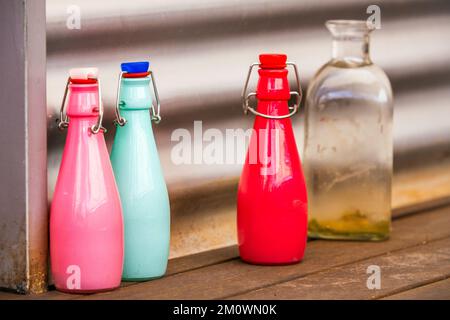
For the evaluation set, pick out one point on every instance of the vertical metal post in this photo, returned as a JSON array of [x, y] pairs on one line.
[[23, 143]]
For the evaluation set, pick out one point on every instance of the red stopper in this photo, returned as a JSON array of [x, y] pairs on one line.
[[272, 61], [83, 81], [135, 75]]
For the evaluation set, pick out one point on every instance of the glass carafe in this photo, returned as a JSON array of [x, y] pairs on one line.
[[348, 141]]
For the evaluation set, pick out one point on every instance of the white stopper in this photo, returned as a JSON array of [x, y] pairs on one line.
[[83, 73]]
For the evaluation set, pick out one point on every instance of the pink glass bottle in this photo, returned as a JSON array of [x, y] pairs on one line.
[[86, 226]]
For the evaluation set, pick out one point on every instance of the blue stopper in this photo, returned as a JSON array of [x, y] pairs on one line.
[[135, 67]]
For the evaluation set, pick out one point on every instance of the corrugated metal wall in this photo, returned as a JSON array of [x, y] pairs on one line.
[[200, 51]]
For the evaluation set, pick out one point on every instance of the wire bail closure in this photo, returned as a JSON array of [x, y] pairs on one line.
[[63, 122], [154, 115], [246, 97]]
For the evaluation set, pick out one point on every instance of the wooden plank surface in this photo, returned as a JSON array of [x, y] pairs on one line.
[[220, 274], [416, 186], [439, 290], [399, 270], [235, 277], [177, 265]]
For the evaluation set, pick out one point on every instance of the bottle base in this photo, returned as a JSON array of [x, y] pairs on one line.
[[349, 236], [141, 279], [270, 263], [346, 229], [88, 291]]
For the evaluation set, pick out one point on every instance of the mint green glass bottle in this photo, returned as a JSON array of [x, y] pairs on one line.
[[139, 176]]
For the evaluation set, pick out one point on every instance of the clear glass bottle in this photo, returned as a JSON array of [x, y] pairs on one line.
[[348, 141]]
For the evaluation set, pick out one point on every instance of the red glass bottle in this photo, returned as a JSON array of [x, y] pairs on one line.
[[272, 200]]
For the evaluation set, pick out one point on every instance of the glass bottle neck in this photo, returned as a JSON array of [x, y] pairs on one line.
[[351, 50]]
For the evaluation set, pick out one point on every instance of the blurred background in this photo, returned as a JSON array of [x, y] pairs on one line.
[[200, 51]]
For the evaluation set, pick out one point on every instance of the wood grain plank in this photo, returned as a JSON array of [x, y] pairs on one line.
[[419, 185], [195, 261], [399, 270], [235, 277], [202, 259], [175, 266], [199, 260], [49, 295], [439, 290], [4, 295], [208, 258]]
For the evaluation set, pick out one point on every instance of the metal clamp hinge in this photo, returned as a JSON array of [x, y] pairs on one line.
[[63, 121], [246, 97], [154, 114]]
